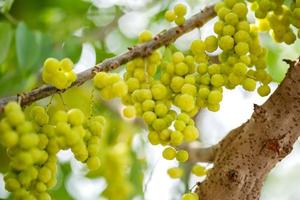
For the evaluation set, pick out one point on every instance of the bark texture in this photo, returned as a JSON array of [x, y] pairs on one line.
[[246, 156]]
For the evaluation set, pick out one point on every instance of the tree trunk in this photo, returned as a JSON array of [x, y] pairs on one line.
[[246, 156]]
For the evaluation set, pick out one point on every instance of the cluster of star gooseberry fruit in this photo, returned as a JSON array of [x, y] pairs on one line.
[[278, 18], [58, 73], [34, 137], [167, 95]]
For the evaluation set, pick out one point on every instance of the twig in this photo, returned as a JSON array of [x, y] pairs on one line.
[[10, 18], [201, 154]]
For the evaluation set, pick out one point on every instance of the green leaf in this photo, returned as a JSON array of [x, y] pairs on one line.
[[4, 160], [45, 48], [5, 40], [27, 46], [60, 190], [136, 174], [102, 54], [11, 82], [5, 5], [72, 48]]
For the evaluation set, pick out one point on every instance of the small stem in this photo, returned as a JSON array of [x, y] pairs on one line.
[[92, 103], [63, 102], [49, 103], [10, 18]]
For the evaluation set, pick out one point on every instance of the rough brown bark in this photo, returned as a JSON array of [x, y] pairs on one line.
[[249, 152], [162, 39]]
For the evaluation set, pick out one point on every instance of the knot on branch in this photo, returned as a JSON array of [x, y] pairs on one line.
[[276, 147], [285, 151], [290, 62], [95, 70], [233, 175], [259, 114], [179, 30], [156, 37], [271, 146], [113, 65], [147, 51], [20, 97]]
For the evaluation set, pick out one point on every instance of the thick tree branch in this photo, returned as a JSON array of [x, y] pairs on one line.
[[144, 49], [248, 153]]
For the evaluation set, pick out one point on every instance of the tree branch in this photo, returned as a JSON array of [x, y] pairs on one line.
[[198, 153], [162, 39], [249, 152]]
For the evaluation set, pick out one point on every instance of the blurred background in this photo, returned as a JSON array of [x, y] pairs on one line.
[[88, 31]]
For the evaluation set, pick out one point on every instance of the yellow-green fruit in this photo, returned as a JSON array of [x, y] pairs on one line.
[[184, 117], [180, 21], [45, 174], [190, 133], [9, 139], [75, 117], [181, 69], [170, 15], [51, 65], [214, 97], [101, 80], [179, 125], [182, 156], [159, 124], [226, 42], [176, 83], [164, 135], [177, 57], [44, 196], [159, 91], [12, 184], [59, 74], [199, 170], [149, 117], [119, 88], [29, 140], [153, 138], [211, 43], [145, 36], [60, 116], [175, 172], [129, 112], [264, 90], [249, 84], [180, 9], [176, 138], [15, 118], [169, 153], [161, 109], [93, 163], [185, 102], [190, 196], [198, 47], [66, 64]]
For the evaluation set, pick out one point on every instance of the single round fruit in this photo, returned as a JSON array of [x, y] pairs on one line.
[[190, 196], [169, 153]]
